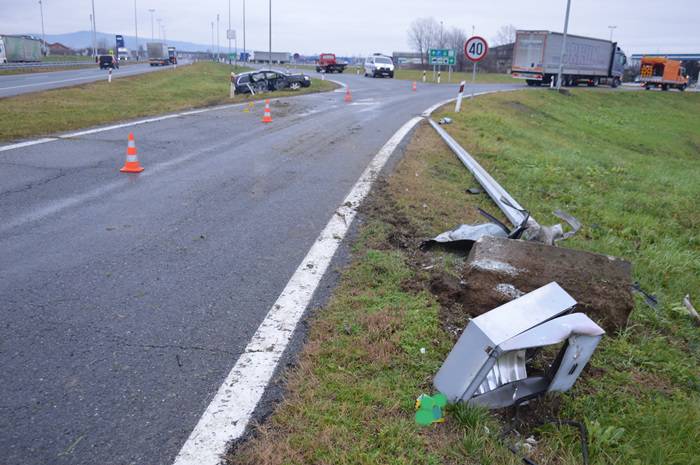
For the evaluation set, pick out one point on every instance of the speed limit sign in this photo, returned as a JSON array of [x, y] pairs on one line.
[[475, 49]]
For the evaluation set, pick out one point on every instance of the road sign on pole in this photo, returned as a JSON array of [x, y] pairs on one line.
[[475, 50], [441, 56]]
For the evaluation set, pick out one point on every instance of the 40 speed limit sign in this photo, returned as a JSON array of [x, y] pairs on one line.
[[475, 49]]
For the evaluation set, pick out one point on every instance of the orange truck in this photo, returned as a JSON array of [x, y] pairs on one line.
[[662, 72]]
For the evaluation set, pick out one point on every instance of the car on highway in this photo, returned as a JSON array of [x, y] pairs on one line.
[[267, 80], [379, 65], [108, 61]]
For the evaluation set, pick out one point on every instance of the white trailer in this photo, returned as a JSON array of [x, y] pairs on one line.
[[592, 61]]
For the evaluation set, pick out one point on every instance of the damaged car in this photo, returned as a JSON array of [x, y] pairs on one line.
[[266, 80]]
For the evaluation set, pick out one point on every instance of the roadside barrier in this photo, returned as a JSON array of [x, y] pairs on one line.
[[132, 160], [267, 117], [109, 76], [232, 91], [348, 95], [460, 95], [438, 78], [424, 76]]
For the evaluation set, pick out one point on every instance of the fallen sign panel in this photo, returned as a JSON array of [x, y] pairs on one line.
[[487, 366], [499, 270]]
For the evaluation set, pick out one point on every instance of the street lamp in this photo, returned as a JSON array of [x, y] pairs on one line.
[[563, 44], [212, 40], [270, 43], [153, 35], [136, 28], [612, 28], [43, 36], [94, 31], [228, 32], [218, 46], [244, 51], [158, 20]]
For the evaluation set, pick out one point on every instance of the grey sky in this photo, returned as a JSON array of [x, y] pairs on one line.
[[358, 27]]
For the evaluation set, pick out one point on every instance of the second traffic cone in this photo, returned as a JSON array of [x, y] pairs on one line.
[[415, 86], [267, 117], [132, 160], [348, 95]]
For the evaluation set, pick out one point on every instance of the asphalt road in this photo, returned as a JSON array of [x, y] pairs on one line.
[[16, 84], [126, 299]]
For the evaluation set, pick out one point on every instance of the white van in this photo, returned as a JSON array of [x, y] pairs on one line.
[[379, 65]]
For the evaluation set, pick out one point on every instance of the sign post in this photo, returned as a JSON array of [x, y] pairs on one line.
[[119, 43], [441, 57], [475, 50]]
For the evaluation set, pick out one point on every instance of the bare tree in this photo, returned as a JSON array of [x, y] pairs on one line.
[[422, 35], [455, 39], [505, 35]]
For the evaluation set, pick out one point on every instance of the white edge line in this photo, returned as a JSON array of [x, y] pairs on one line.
[[28, 143], [233, 405]]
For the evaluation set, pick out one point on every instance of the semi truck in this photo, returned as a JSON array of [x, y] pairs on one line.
[[157, 54], [14, 49], [327, 63], [662, 72], [537, 54]]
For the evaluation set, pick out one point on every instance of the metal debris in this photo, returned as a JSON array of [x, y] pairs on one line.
[[445, 120], [550, 235], [488, 365], [691, 310], [474, 191], [650, 299]]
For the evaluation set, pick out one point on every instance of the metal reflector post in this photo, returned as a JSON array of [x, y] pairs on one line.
[[232, 92], [109, 76]]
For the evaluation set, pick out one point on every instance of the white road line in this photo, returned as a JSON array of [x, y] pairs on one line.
[[230, 411], [27, 143]]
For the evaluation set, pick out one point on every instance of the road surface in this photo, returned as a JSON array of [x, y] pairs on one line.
[[127, 299], [16, 84]]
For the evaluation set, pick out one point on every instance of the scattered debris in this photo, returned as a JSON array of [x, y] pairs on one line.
[[475, 191], [691, 310], [650, 299], [600, 283], [429, 409], [445, 120], [550, 235], [422, 350], [488, 364]]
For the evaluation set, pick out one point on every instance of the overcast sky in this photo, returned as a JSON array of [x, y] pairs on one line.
[[358, 27]]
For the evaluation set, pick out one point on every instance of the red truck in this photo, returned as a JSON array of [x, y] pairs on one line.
[[328, 64]]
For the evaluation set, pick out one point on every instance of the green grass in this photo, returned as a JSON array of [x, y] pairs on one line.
[[482, 78], [198, 85], [54, 58], [628, 166]]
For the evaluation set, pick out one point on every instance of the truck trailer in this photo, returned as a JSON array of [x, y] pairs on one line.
[[15, 49], [662, 72], [157, 54], [536, 57]]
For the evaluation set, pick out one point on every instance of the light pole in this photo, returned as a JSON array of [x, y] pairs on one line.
[[563, 44], [612, 28], [136, 28], [212, 40], [94, 31], [218, 46], [244, 51], [270, 42], [228, 32], [43, 36], [158, 20], [153, 35]]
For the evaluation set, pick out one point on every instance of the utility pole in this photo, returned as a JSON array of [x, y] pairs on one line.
[[612, 28], [228, 32], [153, 35], [43, 36], [94, 31], [563, 44], [270, 42], [93, 44], [218, 45], [160, 30], [212, 40], [136, 28]]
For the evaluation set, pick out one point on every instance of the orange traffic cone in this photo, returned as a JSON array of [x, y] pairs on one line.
[[415, 86], [267, 117], [132, 161], [348, 95]]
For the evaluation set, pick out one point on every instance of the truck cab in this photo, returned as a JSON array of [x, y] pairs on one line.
[[662, 72], [327, 63]]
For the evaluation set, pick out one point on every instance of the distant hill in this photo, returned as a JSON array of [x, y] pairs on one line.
[[83, 39]]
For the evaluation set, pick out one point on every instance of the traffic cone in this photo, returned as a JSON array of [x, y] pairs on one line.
[[415, 86], [348, 95], [132, 161], [267, 118]]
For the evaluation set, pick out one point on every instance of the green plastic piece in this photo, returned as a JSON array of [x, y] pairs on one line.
[[429, 409]]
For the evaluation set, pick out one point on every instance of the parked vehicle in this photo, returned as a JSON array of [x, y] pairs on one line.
[[587, 60], [108, 62], [662, 72], [266, 80], [327, 63], [123, 53], [157, 54], [172, 55], [379, 65], [14, 49]]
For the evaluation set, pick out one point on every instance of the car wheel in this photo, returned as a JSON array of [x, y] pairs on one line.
[[295, 86]]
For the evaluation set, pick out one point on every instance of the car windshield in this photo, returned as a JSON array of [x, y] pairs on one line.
[[382, 60]]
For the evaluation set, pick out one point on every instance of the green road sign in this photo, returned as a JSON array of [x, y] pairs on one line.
[[442, 56]]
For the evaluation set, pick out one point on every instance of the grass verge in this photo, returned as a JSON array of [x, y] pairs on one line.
[[627, 165], [198, 85]]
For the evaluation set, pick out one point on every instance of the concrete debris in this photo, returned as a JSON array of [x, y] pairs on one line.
[[600, 284], [489, 364]]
